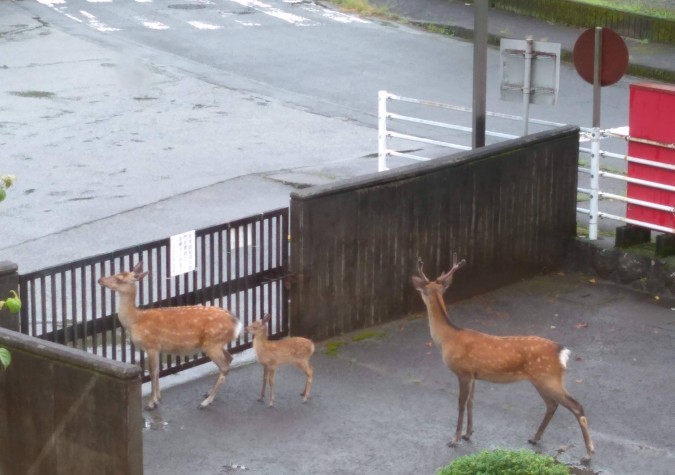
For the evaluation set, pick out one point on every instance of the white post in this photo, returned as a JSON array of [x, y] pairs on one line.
[[595, 184], [382, 131], [527, 84]]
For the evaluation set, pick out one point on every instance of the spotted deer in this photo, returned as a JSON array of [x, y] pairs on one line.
[[472, 355], [272, 354], [182, 330]]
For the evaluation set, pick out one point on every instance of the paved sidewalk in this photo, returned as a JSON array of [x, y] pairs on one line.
[[459, 16], [387, 405]]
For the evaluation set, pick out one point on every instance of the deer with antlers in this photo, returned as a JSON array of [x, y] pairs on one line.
[[472, 355], [294, 350], [182, 330]]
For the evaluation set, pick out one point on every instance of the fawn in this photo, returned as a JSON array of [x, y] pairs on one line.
[[472, 355], [175, 330], [272, 354]]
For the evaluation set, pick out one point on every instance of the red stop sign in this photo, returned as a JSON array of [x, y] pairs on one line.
[[614, 56]]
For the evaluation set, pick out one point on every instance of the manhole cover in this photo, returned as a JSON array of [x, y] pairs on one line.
[[187, 6]]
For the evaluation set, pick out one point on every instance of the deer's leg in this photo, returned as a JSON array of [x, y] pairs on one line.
[[309, 372], [222, 359], [557, 392], [265, 376], [551, 406], [271, 381], [469, 412], [577, 409], [464, 391], [153, 361]]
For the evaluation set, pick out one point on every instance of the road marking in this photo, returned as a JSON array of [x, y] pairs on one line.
[[93, 22], [275, 12], [204, 26], [153, 25], [254, 5]]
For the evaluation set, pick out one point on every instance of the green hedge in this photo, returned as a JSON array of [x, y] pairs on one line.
[[568, 12], [504, 462]]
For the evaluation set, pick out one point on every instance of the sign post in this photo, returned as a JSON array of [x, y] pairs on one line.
[[601, 59], [529, 72]]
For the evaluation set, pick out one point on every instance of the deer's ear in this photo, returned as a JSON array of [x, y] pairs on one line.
[[140, 276], [138, 268], [418, 282], [266, 318]]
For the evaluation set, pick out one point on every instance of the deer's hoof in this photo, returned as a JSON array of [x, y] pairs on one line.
[[532, 441], [151, 406], [467, 437], [586, 460], [452, 444]]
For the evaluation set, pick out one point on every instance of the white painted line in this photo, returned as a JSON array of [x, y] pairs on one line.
[[96, 24], [275, 12], [247, 23], [204, 26], [153, 25]]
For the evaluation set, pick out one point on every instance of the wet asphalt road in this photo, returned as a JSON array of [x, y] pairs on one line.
[[131, 121]]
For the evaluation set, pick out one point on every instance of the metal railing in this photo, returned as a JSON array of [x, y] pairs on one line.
[[595, 171], [241, 266]]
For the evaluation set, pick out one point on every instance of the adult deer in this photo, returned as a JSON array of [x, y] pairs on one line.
[[294, 350], [472, 355], [174, 330]]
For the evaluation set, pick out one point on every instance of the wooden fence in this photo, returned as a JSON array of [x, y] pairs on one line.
[[508, 209]]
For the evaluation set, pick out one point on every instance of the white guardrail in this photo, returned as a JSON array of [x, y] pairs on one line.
[[594, 135]]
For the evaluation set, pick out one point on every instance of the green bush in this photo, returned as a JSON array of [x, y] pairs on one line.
[[504, 462]]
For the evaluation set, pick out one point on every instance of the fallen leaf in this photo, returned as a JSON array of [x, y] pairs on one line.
[[553, 326], [580, 381], [429, 344], [656, 297], [581, 325], [578, 358], [592, 281]]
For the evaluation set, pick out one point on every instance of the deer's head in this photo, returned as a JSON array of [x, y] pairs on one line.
[[124, 282], [259, 327]]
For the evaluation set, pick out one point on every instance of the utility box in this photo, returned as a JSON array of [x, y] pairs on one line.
[[652, 119]]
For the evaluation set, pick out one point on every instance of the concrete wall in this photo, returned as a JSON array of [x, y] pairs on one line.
[[63, 411], [509, 209]]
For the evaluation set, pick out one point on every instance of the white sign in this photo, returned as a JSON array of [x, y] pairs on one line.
[[183, 258], [540, 78]]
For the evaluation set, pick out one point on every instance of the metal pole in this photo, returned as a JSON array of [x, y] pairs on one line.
[[527, 84], [595, 140], [597, 72], [480, 13], [595, 185], [382, 131]]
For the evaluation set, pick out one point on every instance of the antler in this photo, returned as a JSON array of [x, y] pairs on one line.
[[447, 277], [420, 265]]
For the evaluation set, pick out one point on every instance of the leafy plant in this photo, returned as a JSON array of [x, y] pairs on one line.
[[5, 358], [13, 303], [5, 182], [502, 461]]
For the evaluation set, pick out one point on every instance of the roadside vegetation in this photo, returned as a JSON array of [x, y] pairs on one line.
[[362, 7], [656, 8], [514, 462]]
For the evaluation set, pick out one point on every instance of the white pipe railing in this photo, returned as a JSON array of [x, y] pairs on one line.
[[592, 134]]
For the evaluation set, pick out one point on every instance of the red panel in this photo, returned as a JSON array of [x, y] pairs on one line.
[[652, 117]]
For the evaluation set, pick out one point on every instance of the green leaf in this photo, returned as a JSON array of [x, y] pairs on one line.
[[5, 358]]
